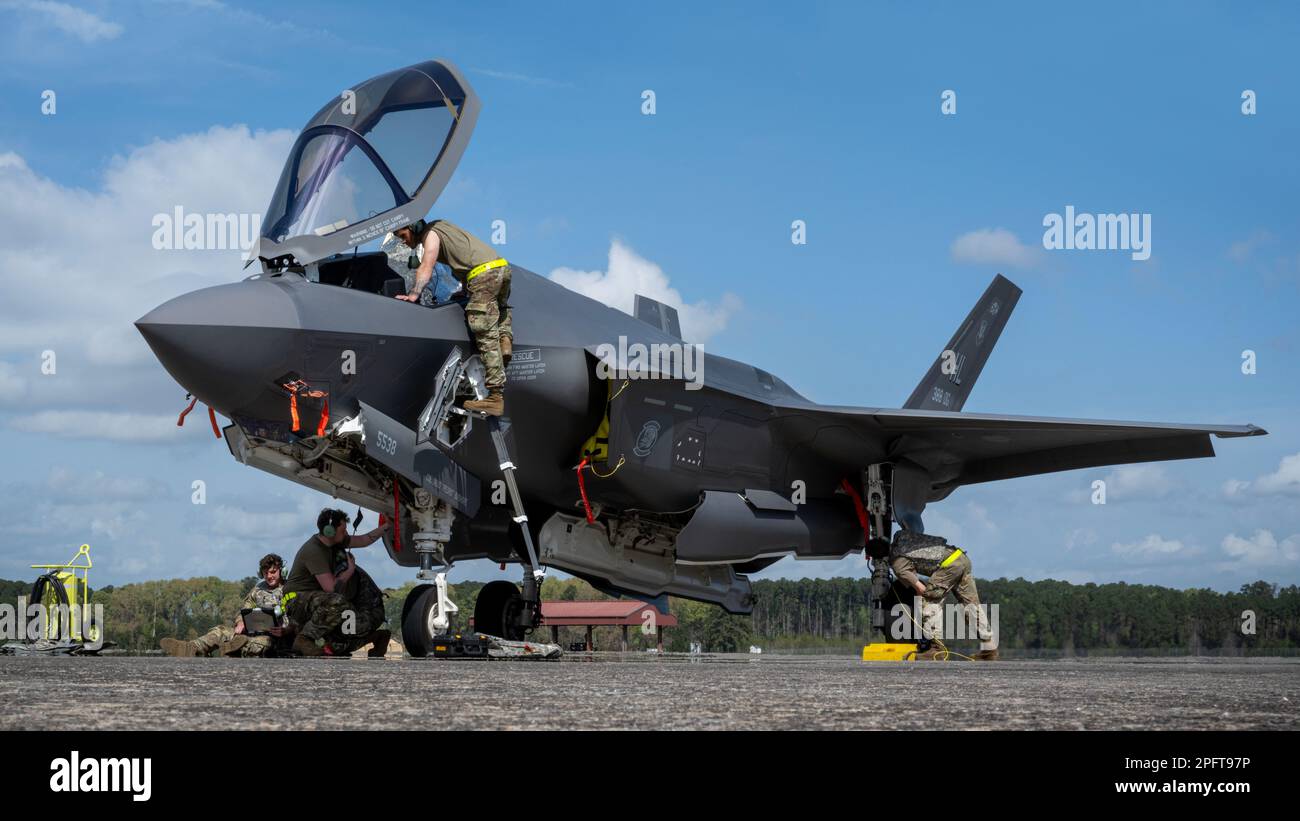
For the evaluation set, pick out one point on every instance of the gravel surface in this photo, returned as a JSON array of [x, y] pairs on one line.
[[633, 692]]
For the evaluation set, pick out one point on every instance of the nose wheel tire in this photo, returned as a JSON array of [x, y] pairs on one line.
[[418, 612]]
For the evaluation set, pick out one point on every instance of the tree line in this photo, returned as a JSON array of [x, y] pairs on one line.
[[1044, 617], [1055, 617]]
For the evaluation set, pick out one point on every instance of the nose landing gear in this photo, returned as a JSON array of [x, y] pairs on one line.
[[503, 609], [425, 615]]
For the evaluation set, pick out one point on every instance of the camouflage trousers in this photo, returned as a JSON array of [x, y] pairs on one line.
[[488, 317], [342, 625], [957, 579], [209, 644]]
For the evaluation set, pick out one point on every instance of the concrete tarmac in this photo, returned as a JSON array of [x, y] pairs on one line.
[[612, 691]]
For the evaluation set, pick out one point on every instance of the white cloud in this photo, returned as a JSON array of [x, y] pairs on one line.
[[993, 246], [1145, 481], [1128, 483], [235, 521], [979, 517], [630, 274], [252, 20], [1080, 537], [146, 526], [97, 485], [1242, 250], [1235, 488], [1152, 547], [13, 386], [223, 170], [84, 424], [83, 25], [100, 293], [118, 523], [968, 526], [1263, 548], [938, 524], [1285, 481], [522, 78]]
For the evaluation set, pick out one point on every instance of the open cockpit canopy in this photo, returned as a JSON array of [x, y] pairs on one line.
[[372, 160]]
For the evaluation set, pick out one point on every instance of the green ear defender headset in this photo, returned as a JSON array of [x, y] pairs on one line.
[[326, 521]]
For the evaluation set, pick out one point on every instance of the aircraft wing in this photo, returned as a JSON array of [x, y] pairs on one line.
[[968, 448]]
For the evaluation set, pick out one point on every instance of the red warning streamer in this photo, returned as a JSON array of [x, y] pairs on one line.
[[582, 489], [324, 416], [863, 519], [180, 421], [212, 417]]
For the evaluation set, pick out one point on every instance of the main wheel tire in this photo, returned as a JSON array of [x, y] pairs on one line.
[[418, 612], [497, 609]]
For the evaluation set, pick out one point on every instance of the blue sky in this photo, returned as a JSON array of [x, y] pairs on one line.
[[828, 113]]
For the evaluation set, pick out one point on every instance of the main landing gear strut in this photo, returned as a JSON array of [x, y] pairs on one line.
[[878, 503], [892, 492]]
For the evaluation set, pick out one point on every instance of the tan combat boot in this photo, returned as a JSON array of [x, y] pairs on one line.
[[179, 649], [507, 346], [304, 646], [232, 647], [987, 655], [494, 405]]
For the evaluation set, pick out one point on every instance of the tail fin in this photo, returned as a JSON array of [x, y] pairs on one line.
[[967, 351], [653, 312]]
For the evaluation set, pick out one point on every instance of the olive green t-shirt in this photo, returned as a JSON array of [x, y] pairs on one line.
[[314, 558], [460, 250]]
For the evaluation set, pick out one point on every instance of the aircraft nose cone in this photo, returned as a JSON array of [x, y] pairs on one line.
[[224, 344]]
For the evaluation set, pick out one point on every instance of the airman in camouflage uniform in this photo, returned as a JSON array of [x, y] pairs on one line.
[[350, 614], [489, 317], [486, 277], [233, 641], [345, 626], [915, 554]]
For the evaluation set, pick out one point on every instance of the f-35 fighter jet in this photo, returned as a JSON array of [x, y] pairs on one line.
[[609, 463]]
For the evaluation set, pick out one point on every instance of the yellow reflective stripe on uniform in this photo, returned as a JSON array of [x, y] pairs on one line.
[[487, 266], [956, 554]]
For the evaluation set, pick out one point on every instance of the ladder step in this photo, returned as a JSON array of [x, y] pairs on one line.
[[516, 501]]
